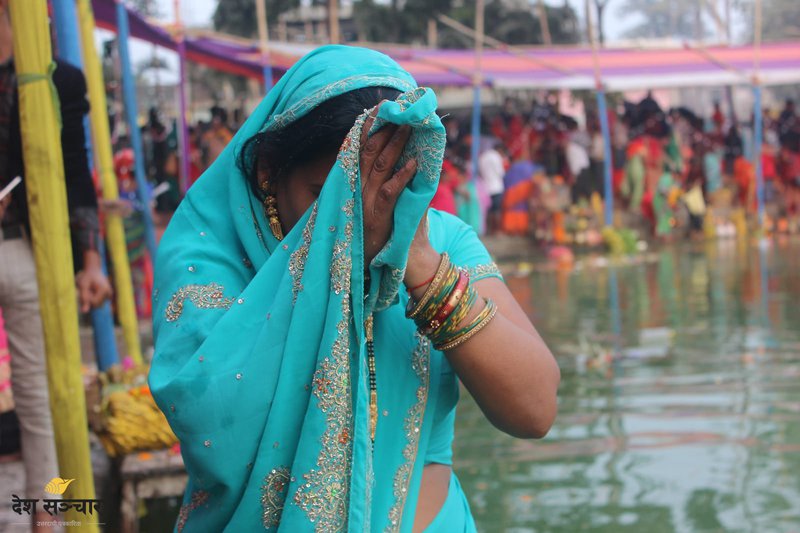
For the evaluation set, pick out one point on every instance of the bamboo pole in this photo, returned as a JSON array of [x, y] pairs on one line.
[[500, 45], [757, 38], [333, 21], [433, 33], [714, 12], [544, 24], [182, 100], [115, 234], [708, 56], [69, 48], [40, 124], [263, 37]]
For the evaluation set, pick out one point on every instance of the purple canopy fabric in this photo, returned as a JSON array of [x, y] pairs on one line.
[[553, 68]]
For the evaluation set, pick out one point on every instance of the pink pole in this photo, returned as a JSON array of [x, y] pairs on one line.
[[183, 179], [184, 137]]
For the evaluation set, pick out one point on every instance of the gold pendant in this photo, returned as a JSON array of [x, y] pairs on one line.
[[373, 414]]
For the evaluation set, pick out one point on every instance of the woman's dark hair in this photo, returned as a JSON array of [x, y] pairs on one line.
[[320, 132]]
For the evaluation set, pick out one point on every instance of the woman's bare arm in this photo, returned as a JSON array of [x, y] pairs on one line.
[[506, 367]]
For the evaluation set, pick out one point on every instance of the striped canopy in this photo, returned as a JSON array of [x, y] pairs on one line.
[[554, 68]]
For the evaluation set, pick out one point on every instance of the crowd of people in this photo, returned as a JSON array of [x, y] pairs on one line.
[[540, 174]]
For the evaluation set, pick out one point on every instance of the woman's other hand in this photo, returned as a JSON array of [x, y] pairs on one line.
[[381, 184]]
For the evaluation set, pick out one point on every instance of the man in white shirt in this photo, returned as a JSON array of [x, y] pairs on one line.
[[491, 169], [578, 162]]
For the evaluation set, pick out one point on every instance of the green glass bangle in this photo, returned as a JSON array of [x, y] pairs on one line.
[[478, 324], [449, 328], [412, 309]]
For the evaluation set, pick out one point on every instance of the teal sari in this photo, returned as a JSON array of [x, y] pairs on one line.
[[260, 355]]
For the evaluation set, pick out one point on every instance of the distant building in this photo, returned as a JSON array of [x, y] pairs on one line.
[[309, 24]]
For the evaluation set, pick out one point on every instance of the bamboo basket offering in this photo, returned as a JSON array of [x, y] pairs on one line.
[[125, 417]]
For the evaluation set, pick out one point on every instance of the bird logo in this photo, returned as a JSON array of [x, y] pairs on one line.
[[57, 485]]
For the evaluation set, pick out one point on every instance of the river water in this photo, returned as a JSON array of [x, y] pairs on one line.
[[679, 406]]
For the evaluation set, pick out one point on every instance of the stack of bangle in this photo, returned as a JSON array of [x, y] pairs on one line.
[[445, 304]]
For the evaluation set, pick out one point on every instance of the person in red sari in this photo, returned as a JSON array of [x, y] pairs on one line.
[[449, 182], [509, 128]]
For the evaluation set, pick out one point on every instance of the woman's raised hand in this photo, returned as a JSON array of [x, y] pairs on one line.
[[381, 184]]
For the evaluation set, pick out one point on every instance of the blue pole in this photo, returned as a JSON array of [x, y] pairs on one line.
[[267, 76], [65, 18], [105, 338], [758, 132], [607, 174], [476, 130], [131, 107]]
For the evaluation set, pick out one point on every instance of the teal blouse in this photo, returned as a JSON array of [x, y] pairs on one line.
[[260, 354]]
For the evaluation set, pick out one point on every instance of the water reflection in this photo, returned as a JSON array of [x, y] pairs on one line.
[[679, 404]]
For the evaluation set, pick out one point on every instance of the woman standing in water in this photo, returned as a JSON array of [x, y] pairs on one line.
[[312, 319]]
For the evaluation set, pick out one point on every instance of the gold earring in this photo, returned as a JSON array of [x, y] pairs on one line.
[[271, 209]]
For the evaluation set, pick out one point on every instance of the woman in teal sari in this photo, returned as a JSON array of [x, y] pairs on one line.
[[304, 397]]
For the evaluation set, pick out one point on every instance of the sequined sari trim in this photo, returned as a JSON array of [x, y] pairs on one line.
[[420, 363], [202, 296], [297, 262], [198, 498], [273, 495], [485, 270], [324, 494]]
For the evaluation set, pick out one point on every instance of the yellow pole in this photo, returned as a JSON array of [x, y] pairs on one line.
[[47, 202], [115, 233]]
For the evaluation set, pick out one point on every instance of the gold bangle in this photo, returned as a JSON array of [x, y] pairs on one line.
[[412, 312], [449, 279], [472, 332]]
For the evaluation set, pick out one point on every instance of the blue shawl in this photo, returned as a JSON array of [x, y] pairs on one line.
[[260, 357]]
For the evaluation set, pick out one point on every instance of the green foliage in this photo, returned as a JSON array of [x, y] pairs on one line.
[[145, 7], [780, 19], [406, 21], [619, 241], [408, 24], [238, 17]]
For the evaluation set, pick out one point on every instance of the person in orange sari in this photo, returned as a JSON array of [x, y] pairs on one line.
[[519, 187]]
